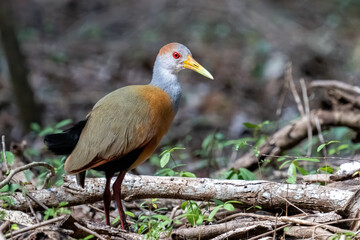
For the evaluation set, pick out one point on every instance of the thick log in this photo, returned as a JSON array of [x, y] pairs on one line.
[[268, 195]]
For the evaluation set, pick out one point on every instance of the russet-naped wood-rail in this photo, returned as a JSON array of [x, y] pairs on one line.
[[125, 127]]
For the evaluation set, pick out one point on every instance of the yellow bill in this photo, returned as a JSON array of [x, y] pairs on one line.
[[190, 63]]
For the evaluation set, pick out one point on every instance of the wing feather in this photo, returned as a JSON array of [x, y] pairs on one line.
[[119, 123]]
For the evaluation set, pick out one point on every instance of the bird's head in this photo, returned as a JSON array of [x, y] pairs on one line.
[[176, 57]]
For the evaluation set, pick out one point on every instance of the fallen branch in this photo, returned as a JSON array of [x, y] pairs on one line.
[[336, 84], [95, 234], [113, 233], [269, 195], [25, 167], [18, 217], [271, 232], [35, 226], [237, 228], [303, 232], [4, 153], [292, 134]]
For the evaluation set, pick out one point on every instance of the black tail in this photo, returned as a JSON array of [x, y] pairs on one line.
[[65, 142]]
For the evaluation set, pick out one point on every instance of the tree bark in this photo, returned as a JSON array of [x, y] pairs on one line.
[[268, 195], [29, 110]]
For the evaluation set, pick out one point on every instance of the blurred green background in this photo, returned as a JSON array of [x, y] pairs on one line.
[[76, 51]]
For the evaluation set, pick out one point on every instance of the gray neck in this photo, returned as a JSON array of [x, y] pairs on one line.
[[167, 81]]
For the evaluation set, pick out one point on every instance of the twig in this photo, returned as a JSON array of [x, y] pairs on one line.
[[234, 232], [25, 167], [4, 154], [291, 204], [335, 84], [274, 235], [282, 97], [268, 233], [322, 140], [32, 211], [307, 112], [288, 76], [294, 220], [172, 215], [4, 226], [89, 231], [294, 157], [321, 136], [101, 211], [35, 226], [47, 179], [37, 201], [337, 221]]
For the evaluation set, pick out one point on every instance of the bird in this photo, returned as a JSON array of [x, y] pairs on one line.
[[125, 126]]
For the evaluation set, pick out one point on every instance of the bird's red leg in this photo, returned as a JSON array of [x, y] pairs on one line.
[[107, 197], [117, 196]]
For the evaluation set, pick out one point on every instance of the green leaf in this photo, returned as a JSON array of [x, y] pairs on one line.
[[246, 174], [207, 141], [233, 201], [161, 217], [284, 163], [14, 227], [324, 144], [165, 172], [164, 159], [218, 202], [187, 174], [280, 159], [327, 169], [321, 147], [332, 151], [35, 127], [229, 207], [191, 219], [45, 131], [9, 201], [183, 205], [9, 157], [130, 214], [213, 212], [28, 175], [178, 148], [63, 123], [251, 125], [342, 147], [291, 179], [200, 219], [307, 159], [291, 173], [302, 171], [11, 187], [63, 204]]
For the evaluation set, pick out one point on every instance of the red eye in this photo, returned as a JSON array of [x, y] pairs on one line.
[[176, 55]]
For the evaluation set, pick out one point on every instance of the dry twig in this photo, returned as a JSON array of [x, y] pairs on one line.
[[288, 76], [89, 231], [270, 232], [35, 226], [25, 167], [307, 114], [336, 84], [4, 153]]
